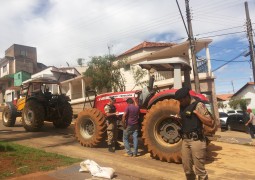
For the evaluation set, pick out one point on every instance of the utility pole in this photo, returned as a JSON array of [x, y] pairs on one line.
[[109, 46], [233, 86], [192, 48], [250, 38]]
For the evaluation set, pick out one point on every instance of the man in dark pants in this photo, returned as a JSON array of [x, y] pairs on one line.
[[130, 123], [251, 123], [111, 120], [193, 115]]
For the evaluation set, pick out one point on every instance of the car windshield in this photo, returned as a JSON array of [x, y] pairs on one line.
[[223, 114], [231, 111], [239, 111]]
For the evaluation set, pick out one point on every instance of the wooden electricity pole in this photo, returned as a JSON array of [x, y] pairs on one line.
[[250, 38], [192, 48]]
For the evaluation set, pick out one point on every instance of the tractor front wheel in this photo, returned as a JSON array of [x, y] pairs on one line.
[[161, 131], [90, 127], [9, 115], [33, 116]]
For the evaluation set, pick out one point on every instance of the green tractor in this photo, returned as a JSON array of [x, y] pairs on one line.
[[37, 104]]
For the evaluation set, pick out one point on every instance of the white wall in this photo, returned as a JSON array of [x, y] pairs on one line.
[[44, 73], [249, 94]]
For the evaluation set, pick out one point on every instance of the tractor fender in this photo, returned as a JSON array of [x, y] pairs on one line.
[[154, 99]]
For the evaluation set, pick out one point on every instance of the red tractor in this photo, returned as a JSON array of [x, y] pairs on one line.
[[160, 127]]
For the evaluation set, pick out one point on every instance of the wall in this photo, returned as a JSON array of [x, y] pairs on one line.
[[20, 52], [249, 94], [20, 77], [24, 65], [4, 68]]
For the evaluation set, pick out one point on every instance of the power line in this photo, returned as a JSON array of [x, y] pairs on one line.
[[219, 20], [225, 34], [222, 6], [218, 30], [227, 60], [239, 55], [215, 5]]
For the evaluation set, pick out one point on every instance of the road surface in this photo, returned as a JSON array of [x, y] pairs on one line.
[[224, 160]]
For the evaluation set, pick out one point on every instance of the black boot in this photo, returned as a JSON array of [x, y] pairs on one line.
[[111, 149], [117, 146]]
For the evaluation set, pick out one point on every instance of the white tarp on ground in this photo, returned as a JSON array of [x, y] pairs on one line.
[[95, 170]]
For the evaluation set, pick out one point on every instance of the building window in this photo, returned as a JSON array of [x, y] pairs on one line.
[[23, 53], [4, 68]]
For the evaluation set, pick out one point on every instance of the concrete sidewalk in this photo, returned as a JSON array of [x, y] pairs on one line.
[[72, 172]]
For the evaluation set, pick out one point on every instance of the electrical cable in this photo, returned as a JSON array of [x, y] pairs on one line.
[[227, 60], [226, 34], [239, 55], [218, 30]]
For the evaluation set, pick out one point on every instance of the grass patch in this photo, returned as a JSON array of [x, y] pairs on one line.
[[17, 160]]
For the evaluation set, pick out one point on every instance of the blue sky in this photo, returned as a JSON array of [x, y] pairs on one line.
[[64, 30]]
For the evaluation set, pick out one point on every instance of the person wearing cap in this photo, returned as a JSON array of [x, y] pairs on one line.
[[111, 121], [193, 115], [251, 123], [131, 126]]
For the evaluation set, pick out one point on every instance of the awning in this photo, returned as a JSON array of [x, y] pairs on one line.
[[166, 64], [178, 50]]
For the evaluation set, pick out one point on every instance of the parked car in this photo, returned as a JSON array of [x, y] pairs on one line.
[[236, 122], [223, 120], [235, 111]]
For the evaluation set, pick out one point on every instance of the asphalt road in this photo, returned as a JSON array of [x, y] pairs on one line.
[[224, 160]]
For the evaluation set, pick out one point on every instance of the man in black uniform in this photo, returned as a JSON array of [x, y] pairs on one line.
[[193, 115], [111, 120]]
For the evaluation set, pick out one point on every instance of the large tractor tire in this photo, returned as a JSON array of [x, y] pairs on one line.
[[161, 131], [90, 127], [9, 115], [33, 116], [66, 113]]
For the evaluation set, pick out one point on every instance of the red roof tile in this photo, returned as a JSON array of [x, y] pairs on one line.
[[146, 44], [224, 97]]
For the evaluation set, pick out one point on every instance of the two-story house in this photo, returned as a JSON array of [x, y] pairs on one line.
[[159, 58], [18, 59]]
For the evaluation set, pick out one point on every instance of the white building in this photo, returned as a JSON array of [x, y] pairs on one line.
[[247, 92], [151, 52]]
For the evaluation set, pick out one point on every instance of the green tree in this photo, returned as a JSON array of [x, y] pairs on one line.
[[138, 75], [235, 103], [220, 105], [243, 104], [104, 74]]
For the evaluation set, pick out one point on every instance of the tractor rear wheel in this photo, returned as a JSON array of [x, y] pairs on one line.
[[9, 115], [66, 113], [161, 131], [33, 116], [90, 127]]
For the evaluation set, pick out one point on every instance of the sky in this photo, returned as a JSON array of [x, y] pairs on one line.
[[65, 30]]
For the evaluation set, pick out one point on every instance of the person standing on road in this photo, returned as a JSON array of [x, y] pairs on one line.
[[131, 125], [251, 123], [193, 115], [111, 121]]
